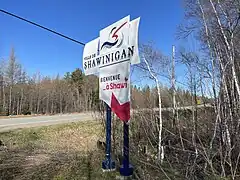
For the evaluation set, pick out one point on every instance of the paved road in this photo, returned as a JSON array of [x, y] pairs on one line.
[[185, 107], [170, 108], [21, 122]]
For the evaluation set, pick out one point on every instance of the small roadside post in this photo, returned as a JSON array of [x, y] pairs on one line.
[[126, 169], [110, 55], [108, 164]]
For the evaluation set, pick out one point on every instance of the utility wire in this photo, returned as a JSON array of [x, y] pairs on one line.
[[42, 27]]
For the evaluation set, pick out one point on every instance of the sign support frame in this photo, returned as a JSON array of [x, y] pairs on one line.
[[116, 44]]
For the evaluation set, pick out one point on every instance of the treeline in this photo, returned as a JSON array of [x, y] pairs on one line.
[[147, 97], [75, 92], [21, 94]]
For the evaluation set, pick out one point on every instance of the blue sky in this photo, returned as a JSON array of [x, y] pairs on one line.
[[41, 51]]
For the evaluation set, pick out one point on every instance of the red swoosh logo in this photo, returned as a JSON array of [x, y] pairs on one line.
[[122, 111], [114, 34]]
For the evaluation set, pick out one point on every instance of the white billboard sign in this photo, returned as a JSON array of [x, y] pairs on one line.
[[110, 55]]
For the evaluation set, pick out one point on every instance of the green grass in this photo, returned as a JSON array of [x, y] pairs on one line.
[[54, 152]]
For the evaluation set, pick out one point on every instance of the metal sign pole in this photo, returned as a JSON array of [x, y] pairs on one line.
[[126, 168], [108, 164]]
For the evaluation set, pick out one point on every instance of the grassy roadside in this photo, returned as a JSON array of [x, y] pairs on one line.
[[54, 152]]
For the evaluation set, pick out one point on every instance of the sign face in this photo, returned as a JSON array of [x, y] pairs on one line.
[[110, 55], [117, 36], [114, 87]]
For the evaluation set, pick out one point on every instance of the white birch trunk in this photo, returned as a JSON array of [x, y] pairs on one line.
[[160, 147], [229, 48]]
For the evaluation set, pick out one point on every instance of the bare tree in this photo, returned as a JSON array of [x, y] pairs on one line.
[[153, 62]]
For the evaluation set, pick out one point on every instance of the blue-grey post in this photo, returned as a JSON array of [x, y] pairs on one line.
[[126, 168], [108, 164]]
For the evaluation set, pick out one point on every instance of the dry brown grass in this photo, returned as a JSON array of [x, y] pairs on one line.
[[81, 137], [55, 152]]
